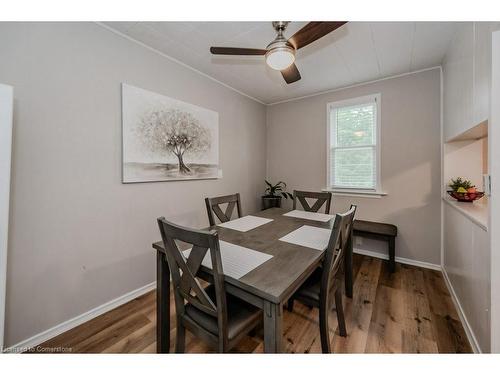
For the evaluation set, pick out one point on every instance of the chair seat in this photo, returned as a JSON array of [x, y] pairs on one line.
[[310, 290], [311, 287], [241, 316]]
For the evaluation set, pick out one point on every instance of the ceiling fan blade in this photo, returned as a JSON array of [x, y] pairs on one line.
[[291, 74], [236, 51], [313, 31]]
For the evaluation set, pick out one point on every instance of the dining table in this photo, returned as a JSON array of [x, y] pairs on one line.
[[270, 285]]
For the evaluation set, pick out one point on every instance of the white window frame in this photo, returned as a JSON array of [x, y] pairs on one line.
[[374, 192]]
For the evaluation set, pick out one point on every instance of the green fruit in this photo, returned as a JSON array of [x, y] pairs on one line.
[[461, 190]]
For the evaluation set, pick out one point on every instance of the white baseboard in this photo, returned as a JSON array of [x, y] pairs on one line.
[[411, 262], [80, 319], [465, 323]]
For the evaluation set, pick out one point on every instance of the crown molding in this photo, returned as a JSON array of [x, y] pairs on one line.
[[355, 85], [173, 59]]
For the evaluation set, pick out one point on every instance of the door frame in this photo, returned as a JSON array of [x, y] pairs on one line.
[[6, 113], [494, 161]]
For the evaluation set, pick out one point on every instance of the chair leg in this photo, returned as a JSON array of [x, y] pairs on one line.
[[289, 305], [221, 349], [324, 329], [180, 339], [340, 312]]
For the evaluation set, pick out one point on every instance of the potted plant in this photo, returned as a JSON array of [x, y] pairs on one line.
[[273, 194]]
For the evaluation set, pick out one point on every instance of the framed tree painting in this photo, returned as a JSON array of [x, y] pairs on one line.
[[165, 139]]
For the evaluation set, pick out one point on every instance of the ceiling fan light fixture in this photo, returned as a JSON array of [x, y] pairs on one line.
[[280, 53], [279, 58]]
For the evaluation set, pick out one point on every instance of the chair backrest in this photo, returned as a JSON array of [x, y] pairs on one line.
[[335, 252], [321, 198], [184, 270], [213, 207]]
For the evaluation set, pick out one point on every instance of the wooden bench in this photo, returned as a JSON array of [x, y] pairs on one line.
[[379, 231]]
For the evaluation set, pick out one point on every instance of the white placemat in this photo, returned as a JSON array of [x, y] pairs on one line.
[[317, 216], [245, 223], [307, 236], [237, 261]]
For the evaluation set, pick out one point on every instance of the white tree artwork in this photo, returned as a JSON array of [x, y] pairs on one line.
[[166, 139]]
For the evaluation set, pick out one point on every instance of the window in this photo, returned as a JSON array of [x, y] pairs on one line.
[[353, 145]]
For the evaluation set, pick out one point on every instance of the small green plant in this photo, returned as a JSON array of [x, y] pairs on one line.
[[277, 189], [460, 184]]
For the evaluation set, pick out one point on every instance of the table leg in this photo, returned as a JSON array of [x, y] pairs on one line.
[[273, 327], [162, 304], [348, 273]]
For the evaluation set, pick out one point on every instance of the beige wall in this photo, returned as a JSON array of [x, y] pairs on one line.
[[464, 159], [411, 174], [78, 237]]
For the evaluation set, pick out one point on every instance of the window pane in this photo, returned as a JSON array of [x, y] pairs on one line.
[[355, 125], [353, 167]]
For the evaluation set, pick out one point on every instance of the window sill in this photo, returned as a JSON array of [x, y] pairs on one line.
[[356, 193]]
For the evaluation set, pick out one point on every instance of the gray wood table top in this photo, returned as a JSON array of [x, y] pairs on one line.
[[276, 279]]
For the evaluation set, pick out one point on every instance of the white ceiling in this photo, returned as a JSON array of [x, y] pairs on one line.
[[355, 53]]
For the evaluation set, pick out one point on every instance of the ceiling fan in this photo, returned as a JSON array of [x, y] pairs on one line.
[[280, 53]]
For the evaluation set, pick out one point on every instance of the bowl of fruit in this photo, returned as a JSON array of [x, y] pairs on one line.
[[463, 190]]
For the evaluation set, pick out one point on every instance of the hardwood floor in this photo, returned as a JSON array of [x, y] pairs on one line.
[[409, 311]]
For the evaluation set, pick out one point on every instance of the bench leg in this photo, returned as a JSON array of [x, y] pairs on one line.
[[392, 254]]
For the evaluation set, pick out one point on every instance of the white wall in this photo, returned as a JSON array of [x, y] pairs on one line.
[[494, 147], [467, 265], [411, 172], [6, 106], [467, 253], [78, 237], [467, 77], [458, 82]]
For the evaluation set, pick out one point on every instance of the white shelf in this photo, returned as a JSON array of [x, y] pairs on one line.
[[476, 132], [477, 211]]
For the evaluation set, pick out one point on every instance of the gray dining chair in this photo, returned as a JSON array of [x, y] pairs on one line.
[[220, 319], [326, 281], [213, 207], [321, 198]]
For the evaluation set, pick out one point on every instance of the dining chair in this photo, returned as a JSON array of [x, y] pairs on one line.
[[326, 281], [213, 207], [209, 313], [322, 198]]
